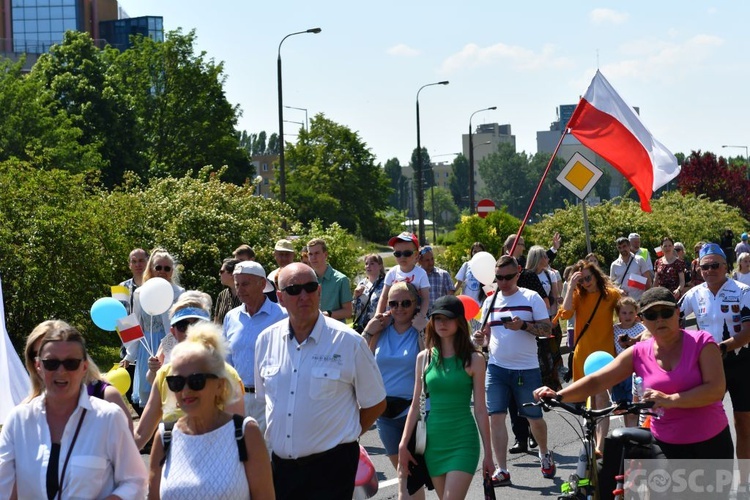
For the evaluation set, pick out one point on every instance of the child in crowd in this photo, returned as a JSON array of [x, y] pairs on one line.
[[627, 332], [405, 249], [742, 274]]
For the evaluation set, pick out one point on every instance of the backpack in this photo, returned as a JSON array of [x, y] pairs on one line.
[[239, 433]]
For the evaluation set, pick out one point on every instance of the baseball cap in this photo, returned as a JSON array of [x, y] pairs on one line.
[[189, 313], [744, 236], [252, 267], [657, 296], [284, 246], [712, 249], [634, 236], [449, 306], [405, 236]]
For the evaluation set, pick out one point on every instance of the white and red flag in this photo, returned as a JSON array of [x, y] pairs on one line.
[[637, 281], [659, 252], [604, 123]]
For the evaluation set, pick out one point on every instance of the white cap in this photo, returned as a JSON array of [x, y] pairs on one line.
[[252, 267]]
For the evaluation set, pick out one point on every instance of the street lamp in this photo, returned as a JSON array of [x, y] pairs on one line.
[[747, 156], [418, 171], [282, 171], [307, 122], [471, 158]]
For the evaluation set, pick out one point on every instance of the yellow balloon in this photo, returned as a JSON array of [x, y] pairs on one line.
[[119, 378]]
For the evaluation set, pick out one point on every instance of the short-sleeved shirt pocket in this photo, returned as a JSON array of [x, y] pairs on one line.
[[324, 382]]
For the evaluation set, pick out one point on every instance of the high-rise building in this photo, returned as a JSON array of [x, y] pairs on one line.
[[31, 27], [486, 138]]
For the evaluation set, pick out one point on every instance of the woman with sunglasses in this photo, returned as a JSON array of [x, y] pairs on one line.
[[682, 374], [396, 343], [190, 308], [203, 459], [160, 265], [65, 443], [592, 298], [96, 385]]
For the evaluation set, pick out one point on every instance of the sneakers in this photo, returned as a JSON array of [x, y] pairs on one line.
[[500, 478], [548, 465]]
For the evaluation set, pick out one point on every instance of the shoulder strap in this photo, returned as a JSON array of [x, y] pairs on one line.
[[369, 297], [166, 439], [586, 326], [551, 286], [625, 274], [489, 309], [239, 435]]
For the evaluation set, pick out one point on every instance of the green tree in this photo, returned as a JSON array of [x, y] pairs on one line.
[[428, 176], [183, 113], [506, 180], [459, 181], [78, 77], [445, 211], [553, 194], [392, 170], [332, 176]]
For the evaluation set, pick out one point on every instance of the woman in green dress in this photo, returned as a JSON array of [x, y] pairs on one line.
[[455, 371]]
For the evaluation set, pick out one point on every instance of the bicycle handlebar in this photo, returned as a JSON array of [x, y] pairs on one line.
[[623, 406]]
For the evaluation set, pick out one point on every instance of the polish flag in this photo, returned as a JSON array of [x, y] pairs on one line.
[[659, 252], [128, 329], [637, 281], [604, 123]]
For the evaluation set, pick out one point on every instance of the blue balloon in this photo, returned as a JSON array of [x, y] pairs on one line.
[[106, 311], [596, 361]]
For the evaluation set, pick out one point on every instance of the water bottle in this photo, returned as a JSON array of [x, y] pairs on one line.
[[638, 396]]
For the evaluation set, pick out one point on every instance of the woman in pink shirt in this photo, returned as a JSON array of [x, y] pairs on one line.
[[682, 374]]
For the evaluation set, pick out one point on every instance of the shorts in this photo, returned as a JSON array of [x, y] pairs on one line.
[[390, 431], [502, 382], [737, 371], [623, 391]]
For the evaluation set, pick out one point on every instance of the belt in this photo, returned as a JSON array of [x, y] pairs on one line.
[[249, 390]]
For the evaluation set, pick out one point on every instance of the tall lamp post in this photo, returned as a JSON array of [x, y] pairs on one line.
[[282, 170], [471, 159], [747, 156], [420, 186], [307, 122]]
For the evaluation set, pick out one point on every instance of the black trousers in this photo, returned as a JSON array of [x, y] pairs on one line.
[[519, 425], [323, 476]]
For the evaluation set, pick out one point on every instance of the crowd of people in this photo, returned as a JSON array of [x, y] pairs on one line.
[[231, 399]]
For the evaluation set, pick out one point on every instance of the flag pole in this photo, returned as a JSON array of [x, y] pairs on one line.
[[538, 189]]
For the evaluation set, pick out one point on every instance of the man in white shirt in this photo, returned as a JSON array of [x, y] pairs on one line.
[[322, 390], [516, 317], [628, 264]]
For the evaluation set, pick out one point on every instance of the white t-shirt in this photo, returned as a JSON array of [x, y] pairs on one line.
[[742, 278], [637, 266], [511, 349], [718, 314], [472, 286], [549, 280], [416, 277]]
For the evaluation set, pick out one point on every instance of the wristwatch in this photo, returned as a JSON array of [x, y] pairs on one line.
[[524, 326]]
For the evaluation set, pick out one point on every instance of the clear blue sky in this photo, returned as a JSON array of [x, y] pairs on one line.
[[683, 63]]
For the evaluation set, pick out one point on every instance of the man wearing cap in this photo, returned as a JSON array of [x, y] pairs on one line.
[[283, 252], [743, 246], [243, 324], [628, 264], [441, 283], [635, 247], [516, 317], [722, 307], [323, 390], [335, 293]]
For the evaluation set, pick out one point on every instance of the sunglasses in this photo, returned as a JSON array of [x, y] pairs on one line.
[[712, 265], [659, 313], [297, 289], [196, 381], [69, 364], [404, 303], [183, 325], [405, 253], [503, 277], [166, 269]]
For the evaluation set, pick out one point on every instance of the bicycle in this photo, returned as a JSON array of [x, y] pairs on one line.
[[584, 482]]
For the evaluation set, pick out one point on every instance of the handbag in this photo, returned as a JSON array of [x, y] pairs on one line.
[[421, 431], [395, 406], [569, 374], [359, 324]]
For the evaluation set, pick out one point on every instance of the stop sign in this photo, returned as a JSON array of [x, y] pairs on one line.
[[484, 207]]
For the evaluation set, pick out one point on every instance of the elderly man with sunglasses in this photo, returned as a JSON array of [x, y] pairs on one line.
[[722, 307], [243, 324], [322, 389]]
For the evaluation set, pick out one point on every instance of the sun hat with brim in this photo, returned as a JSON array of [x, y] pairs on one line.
[[405, 236], [189, 313], [252, 267], [712, 249], [284, 246], [657, 296], [448, 306]]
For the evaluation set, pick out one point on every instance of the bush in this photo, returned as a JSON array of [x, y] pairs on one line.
[[343, 248]]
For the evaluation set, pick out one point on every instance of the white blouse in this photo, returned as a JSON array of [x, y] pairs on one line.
[[104, 460]]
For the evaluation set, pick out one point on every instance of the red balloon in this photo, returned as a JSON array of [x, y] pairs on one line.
[[471, 306]]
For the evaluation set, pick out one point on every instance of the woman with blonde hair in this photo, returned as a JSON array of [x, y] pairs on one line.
[[160, 265], [205, 457], [95, 383]]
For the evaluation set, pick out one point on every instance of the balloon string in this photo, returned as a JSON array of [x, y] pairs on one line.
[[151, 336]]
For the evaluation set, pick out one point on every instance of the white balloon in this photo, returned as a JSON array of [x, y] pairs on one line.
[[156, 296], [482, 266]]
